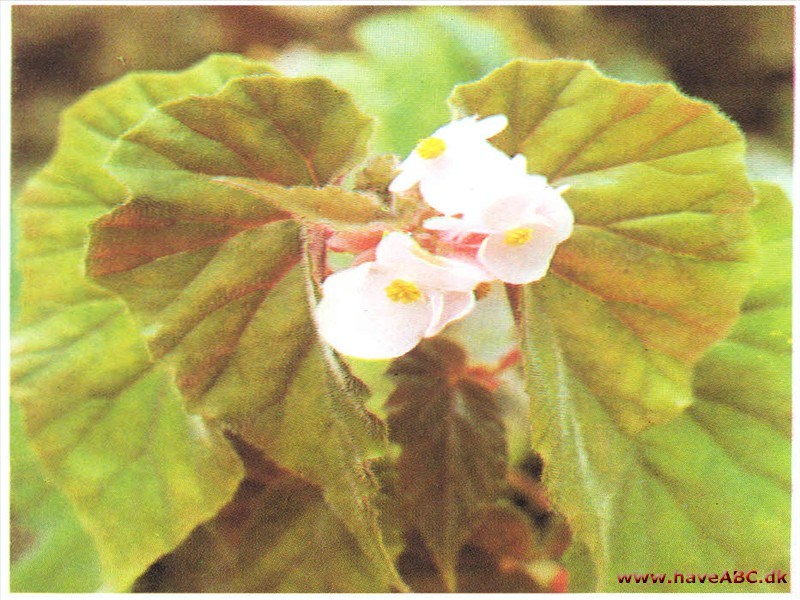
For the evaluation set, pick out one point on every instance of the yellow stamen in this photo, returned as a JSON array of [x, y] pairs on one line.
[[518, 236], [403, 291], [431, 148]]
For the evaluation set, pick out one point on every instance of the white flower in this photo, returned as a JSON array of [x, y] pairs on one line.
[[382, 309], [456, 167], [523, 224]]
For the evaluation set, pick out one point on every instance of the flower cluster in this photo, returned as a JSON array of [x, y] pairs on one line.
[[496, 222]]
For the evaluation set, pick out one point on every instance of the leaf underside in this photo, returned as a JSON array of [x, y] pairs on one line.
[[453, 446], [278, 534]]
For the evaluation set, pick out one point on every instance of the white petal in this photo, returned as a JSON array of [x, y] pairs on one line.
[[451, 192], [412, 170], [458, 129], [357, 318], [523, 263], [455, 226], [467, 179], [520, 163], [396, 248], [481, 156], [463, 177], [555, 209], [509, 212], [446, 224], [401, 257], [491, 126], [454, 305], [526, 199]]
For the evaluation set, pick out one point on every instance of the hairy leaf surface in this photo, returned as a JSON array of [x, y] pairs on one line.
[[659, 261], [219, 281], [332, 205], [107, 423], [654, 273], [709, 489]]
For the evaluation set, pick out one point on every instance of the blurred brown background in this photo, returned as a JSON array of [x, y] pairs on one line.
[[740, 57]]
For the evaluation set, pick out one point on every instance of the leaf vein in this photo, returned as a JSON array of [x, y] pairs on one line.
[[548, 111], [604, 129], [693, 256], [598, 294]]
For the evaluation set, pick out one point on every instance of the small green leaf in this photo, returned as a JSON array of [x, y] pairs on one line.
[[331, 204], [219, 282], [410, 62], [453, 448], [660, 258], [707, 491], [45, 528], [278, 535], [107, 423]]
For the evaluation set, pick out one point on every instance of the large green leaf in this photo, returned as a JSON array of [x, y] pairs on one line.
[[451, 433], [277, 535], [705, 492], [654, 273], [44, 528], [409, 64], [107, 423], [219, 281], [657, 266]]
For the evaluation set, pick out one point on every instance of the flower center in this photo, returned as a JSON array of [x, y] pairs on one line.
[[403, 291], [518, 236], [431, 147]]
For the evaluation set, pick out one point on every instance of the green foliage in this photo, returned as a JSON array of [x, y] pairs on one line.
[[654, 273], [331, 205], [409, 64], [99, 413], [710, 488], [218, 277], [453, 448], [184, 419], [44, 528], [658, 262], [751, 420], [750, 371]]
